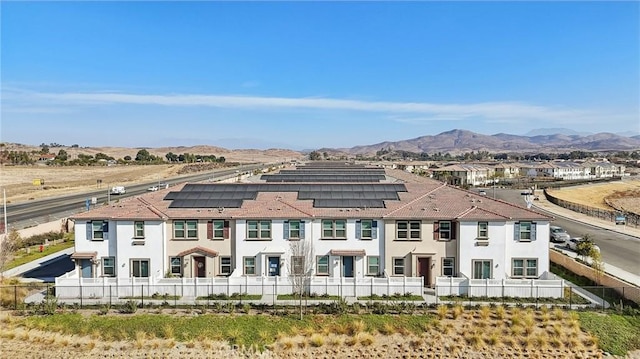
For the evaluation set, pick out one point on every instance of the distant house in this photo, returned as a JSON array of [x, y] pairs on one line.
[[46, 157], [465, 174]]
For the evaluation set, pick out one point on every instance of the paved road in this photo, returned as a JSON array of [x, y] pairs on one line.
[[22, 215], [618, 249]]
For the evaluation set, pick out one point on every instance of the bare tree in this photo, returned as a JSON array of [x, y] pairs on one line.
[[300, 266], [8, 246]]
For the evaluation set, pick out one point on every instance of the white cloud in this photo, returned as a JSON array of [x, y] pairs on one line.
[[406, 112]]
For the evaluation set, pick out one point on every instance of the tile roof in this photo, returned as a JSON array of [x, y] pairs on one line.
[[425, 199]]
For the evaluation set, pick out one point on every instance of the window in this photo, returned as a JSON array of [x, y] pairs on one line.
[[483, 230], [297, 264], [445, 230], [525, 268], [481, 269], [185, 229], [366, 229], [334, 228], [218, 229], [249, 266], [408, 230], [398, 266], [108, 266], [225, 265], [98, 229], [176, 265], [259, 229], [373, 265], [448, 266], [322, 265], [139, 267], [138, 229], [525, 231], [294, 229]]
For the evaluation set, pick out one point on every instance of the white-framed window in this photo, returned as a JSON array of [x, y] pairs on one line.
[[398, 266], [334, 228], [408, 230], [525, 231], [175, 264], [258, 229], [185, 229], [366, 229], [525, 267], [218, 229], [445, 229], [140, 268], [448, 266], [138, 229], [482, 269], [297, 265], [225, 265], [322, 265], [98, 230], [249, 265], [294, 229], [483, 230], [373, 265], [109, 266]]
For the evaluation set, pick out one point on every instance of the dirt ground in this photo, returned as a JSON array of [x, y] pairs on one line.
[[468, 336], [623, 195]]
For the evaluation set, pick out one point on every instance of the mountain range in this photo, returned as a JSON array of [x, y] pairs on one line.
[[460, 141]]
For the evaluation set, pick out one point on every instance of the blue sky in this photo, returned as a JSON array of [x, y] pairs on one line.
[[306, 75]]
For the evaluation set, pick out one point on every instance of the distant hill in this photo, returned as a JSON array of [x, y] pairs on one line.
[[459, 141], [555, 131], [245, 155]]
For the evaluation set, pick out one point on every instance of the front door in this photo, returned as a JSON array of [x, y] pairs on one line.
[[347, 266], [199, 267], [424, 265], [273, 264], [86, 268]]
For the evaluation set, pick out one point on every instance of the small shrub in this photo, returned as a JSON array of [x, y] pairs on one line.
[[485, 312], [316, 340], [500, 312], [458, 309], [365, 339], [130, 307]]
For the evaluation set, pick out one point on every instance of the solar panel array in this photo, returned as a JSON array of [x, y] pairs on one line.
[[344, 195]]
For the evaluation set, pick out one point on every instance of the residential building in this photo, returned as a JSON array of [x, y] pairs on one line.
[[366, 224]]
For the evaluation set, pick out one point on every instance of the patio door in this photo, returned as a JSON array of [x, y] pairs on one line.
[[347, 266], [273, 266]]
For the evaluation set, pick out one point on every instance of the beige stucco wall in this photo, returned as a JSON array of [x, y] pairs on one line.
[[212, 264], [411, 250]]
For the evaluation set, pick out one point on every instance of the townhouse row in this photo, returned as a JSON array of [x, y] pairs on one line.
[[430, 230]]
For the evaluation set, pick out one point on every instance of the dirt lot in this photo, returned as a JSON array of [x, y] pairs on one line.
[[18, 180], [622, 195]]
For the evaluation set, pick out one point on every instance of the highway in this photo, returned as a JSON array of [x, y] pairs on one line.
[[25, 214], [617, 249]]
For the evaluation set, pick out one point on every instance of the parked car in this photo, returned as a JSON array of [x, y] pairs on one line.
[[558, 234], [620, 219], [482, 192], [573, 244], [526, 192]]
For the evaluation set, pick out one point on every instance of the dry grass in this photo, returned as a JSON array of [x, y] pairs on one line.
[[594, 195]]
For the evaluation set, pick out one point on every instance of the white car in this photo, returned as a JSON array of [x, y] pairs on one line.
[[558, 234], [152, 188], [573, 244]]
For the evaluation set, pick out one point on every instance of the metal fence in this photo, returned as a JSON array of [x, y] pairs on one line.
[[632, 219], [92, 296]]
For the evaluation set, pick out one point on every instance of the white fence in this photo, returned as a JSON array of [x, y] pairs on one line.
[[95, 288], [519, 288]]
